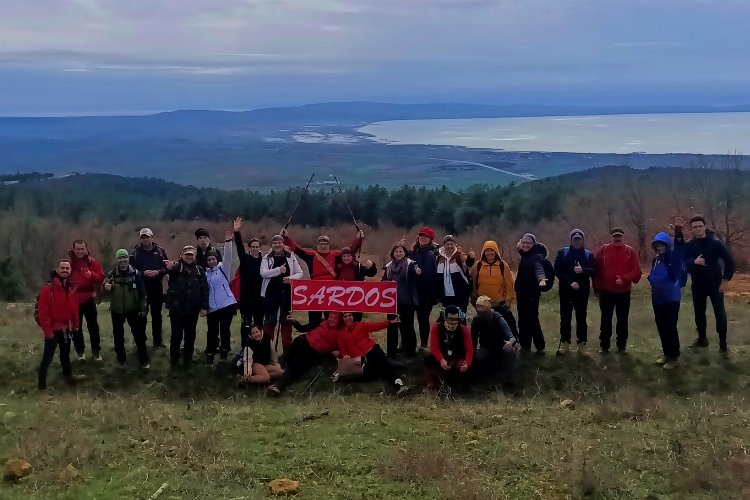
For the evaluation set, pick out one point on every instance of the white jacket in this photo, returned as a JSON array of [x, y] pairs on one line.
[[267, 271], [219, 293]]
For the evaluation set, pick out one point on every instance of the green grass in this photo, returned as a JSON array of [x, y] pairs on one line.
[[636, 430]]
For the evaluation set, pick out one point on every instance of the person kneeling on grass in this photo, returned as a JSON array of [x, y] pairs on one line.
[[256, 363], [307, 351], [496, 348], [361, 355], [667, 278], [451, 349]]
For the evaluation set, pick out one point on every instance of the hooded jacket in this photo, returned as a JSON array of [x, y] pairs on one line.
[[219, 293], [128, 294], [268, 272], [58, 306], [317, 270], [451, 275], [426, 259], [566, 261], [493, 280], [150, 260], [719, 261], [188, 289], [613, 261], [355, 340], [406, 283], [531, 271], [85, 287], [667, 270]]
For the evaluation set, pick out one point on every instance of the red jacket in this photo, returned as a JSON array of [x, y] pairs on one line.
[[316, 268], [85, 287], [613, 261], [355, 340], [436, 343], [324, 338], [58, 306]]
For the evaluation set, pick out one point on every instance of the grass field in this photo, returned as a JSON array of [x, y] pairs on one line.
[[636, 431]]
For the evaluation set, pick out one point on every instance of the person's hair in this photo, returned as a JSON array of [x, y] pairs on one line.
[[253, 240], [212, 253], [340, 322], [60, 261], [398, 245], [453, 311], [80, 242], [697, 218]]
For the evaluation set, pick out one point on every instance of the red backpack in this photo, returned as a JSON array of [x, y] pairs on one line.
[[235, 285]]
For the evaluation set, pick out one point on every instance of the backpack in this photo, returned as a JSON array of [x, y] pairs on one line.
[[479, 266], [549, 272], [235, 285], [586, 253], [36, 301]]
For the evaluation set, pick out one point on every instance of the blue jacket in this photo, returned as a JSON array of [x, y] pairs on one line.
[[668, 273]]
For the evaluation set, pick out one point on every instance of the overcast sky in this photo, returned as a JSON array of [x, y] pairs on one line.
[[128, 56]]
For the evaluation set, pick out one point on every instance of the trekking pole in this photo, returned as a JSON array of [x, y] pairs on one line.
[[315, 379], [299, 200], [341, 190]]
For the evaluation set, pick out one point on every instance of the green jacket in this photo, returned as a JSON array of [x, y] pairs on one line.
[[128, 294]]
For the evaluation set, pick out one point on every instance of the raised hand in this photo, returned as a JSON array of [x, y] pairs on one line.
[[679, 221], [237, 224], [360, 235], [228, 236]]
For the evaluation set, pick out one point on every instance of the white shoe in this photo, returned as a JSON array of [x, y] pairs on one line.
[[563, 349], [671, 364], [82, 357], [660, 360], [582, 349], [98, 357]]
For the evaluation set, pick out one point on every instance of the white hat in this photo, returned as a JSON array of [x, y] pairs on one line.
[[147, 232]]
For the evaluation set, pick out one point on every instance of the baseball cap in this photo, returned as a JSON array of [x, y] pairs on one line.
[[188, 249], [147, 232], [617, 231]]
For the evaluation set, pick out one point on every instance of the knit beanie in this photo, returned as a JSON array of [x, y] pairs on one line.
[[121, 253], [449, 237], [531, 237], [576, 232], [201, 232]]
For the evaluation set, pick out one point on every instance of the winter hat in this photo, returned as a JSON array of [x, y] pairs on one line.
[[121, 253], [617, 231], [323, 239], [530, 237], [427, 231], [201, 232], [212, 253], [576, 232], [277, 237], [449, 237], [346, 251]]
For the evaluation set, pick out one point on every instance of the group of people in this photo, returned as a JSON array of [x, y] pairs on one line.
[[201, 283]]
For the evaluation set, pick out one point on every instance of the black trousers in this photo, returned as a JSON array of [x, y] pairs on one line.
[[298, 360], [666, 316], [423, 321], [61, 339], [87, 311], [505, 311], [529, 328], [611, 304], [453, 375], [701, 294], [488, 362], [219, 330], [155, 299], [406, 327], [252, 310], [277, 306], [183, 329], [377, 366], [570, 301], [137, 329]]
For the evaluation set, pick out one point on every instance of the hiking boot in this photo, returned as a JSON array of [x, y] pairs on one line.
[[671, 364], [81, 356], [97, 357], [209, 359], [563, 349], [660, 361], [724, 351], [699, 342], [621, 351], [583, 349], [273, 391]]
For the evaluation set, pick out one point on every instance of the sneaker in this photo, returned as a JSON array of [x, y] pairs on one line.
[[699, 342], [660, 361], [671, 364], [97, 357], [335, 377], [563, 349], [82, 356], [582, 349], [146, 366], [273, 390]]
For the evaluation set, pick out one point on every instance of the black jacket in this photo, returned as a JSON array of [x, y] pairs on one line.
[[150, 260], [187, 292], [564, 265], [426, 259], [490, 332], [250, 279], [719, 260], [531, 271], [200, 255]]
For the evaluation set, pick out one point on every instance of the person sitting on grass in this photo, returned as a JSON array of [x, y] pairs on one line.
[[451, 350], [667, 277], [307, 351], [256, 363], [361, 355]]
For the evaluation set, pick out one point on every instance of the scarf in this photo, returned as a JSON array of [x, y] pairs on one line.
[[397, 269], [447, 265]]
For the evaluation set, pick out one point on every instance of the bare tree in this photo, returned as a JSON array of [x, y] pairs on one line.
[[732, 200], [634, 198]]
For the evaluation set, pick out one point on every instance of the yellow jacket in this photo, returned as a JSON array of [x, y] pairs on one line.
[[493, 280]]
